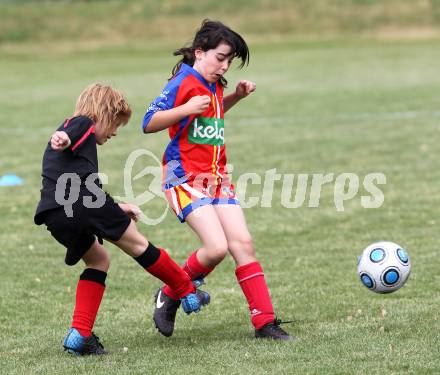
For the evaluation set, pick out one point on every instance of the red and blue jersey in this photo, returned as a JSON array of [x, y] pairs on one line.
[[197, 143]]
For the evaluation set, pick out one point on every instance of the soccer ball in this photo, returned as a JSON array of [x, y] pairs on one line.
[[384, 267]]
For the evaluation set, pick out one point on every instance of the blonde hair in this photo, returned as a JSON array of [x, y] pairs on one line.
[[103, 105]]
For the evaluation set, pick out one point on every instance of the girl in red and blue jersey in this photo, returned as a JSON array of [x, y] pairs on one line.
[[195, 181]]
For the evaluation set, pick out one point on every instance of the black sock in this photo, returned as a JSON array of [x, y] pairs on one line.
[[92, 274], [148, 257]]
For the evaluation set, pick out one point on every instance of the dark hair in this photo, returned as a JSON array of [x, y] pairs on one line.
[[209, 36]]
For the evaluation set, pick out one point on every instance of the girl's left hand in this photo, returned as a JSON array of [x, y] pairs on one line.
[[244, 88], [134, 212]]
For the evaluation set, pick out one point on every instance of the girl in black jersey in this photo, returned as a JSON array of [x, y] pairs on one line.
[[79, 214]]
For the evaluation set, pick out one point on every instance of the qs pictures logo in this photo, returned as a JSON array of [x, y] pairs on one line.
[[144, 186]]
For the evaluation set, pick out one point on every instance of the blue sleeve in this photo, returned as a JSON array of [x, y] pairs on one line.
[[163, 102]]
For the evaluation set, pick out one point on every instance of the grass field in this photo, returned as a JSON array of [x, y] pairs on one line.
[[321, 107], [94, 20]]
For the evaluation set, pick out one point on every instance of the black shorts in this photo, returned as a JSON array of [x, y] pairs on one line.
[[79, 232]]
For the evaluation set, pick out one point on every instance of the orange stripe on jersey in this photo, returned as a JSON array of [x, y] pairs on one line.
[[214, 104], [213, 166]]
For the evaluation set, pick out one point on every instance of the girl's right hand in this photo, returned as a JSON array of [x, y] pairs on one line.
[[198, 104], [59, 141]]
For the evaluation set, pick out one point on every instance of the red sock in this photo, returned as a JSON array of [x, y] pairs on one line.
[[171, 274], [194, 269], [88, 298], [252, 282]]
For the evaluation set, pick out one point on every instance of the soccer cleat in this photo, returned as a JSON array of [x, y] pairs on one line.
[[198, 283], [194, 301], [166, 308], [76, 344], [164, 315], [273, 331]]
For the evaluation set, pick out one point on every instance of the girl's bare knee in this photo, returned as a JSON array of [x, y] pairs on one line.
[[98, 259], [242, 244], [220, 251], [216, 252], [105, 262]]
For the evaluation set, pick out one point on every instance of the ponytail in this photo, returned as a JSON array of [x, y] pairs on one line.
[[188, 58]]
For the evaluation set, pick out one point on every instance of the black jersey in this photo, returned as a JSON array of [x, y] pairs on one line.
[[79, 158]]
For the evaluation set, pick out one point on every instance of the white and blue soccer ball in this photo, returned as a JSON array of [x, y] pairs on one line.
[[384, 267]]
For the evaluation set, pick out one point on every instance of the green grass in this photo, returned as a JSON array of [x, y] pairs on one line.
[[116, 21], [320, 107]]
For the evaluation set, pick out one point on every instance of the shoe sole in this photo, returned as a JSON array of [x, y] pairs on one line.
[[78, 354], [286, 338], [72, 352], [166, 334]]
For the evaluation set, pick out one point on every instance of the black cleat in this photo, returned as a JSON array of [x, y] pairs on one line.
[[273, 331], [164, 315], [165, 308], [76, 344]]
